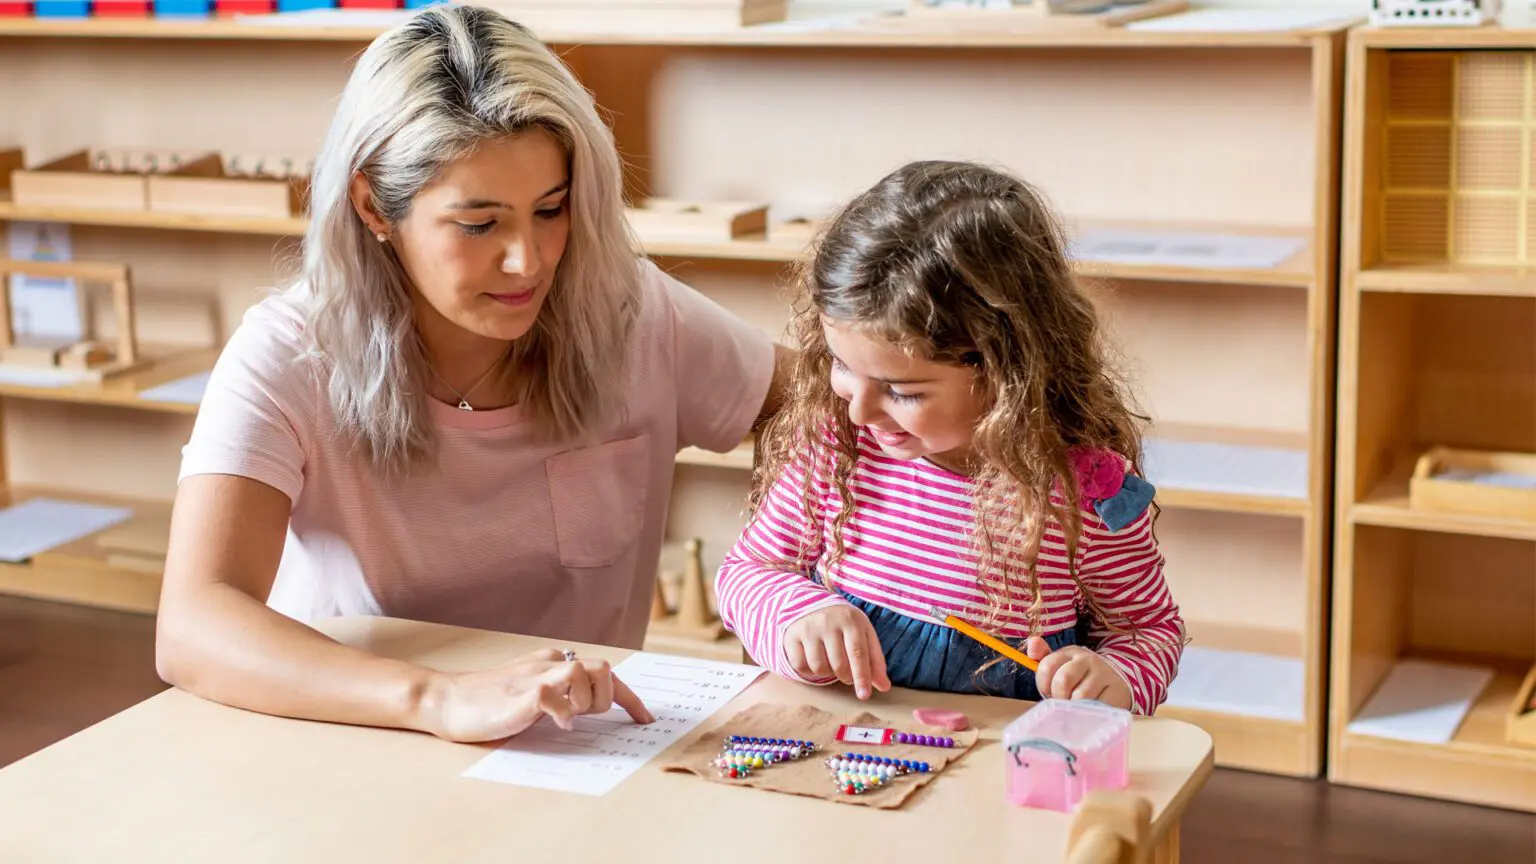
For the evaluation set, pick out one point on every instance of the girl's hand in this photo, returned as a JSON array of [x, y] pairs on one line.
[[497, 703], [1074, 672], [838, 642]]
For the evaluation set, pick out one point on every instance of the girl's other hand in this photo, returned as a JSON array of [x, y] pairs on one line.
[[1074, 672], [497, 703], [838, 642]]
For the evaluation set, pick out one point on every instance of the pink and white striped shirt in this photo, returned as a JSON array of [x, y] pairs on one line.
[[907, 548]]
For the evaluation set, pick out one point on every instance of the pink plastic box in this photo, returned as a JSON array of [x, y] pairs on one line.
[[1060, 750]]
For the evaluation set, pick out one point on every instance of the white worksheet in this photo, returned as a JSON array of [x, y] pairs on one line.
[[1241, 469], [41, 524], [604, 749]]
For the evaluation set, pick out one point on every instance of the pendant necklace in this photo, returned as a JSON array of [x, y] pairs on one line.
[[464, 397]]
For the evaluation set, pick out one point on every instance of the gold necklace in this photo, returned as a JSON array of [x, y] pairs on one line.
[[464, 397]]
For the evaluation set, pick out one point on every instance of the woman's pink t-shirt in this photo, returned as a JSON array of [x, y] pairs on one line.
[[500, 533]]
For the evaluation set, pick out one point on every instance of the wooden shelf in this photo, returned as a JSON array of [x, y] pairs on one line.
[[84, 571], [1477, 765], [124, 391], [1387, 506], [1294, 272], [1251, 743], [154, 220], [877, 32], [1449, 279]]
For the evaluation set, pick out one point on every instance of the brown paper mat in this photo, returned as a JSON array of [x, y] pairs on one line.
[[810, 776]]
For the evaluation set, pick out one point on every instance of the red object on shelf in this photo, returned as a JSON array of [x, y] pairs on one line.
[[227, 8], [121, 8], [8, 7], [370, 4]]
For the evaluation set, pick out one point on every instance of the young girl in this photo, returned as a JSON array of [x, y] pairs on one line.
[[955, 441]]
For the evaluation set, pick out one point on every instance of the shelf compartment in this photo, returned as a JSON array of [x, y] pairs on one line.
[[1229, 469], [1447, 152], [85, 571], [1478, 765], [165, 364], [1447, 278], [1388, 506]]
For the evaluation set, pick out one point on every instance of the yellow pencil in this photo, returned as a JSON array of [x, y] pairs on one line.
[[997, 645]]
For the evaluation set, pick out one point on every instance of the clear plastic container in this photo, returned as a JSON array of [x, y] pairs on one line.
[[1060, 750]]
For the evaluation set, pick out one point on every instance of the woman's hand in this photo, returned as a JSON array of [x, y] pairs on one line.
[[1074, 672], [497, 703], [838, 642]]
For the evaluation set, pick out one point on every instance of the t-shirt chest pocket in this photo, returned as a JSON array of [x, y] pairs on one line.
[[599, 495]]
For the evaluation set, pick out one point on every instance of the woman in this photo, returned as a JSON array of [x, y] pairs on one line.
[[465, 410]]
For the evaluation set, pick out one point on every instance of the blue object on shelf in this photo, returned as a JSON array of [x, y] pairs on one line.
[[301, 5], [62, 8], [418, 4], [183, 8]]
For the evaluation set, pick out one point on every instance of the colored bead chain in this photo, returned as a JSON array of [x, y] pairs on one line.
[[780, 743], [857, 773], [924, 740], [744, 754]]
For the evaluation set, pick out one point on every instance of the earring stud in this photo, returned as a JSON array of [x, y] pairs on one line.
[[381, 236]]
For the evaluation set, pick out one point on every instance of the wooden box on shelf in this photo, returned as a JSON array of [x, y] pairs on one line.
[[611, 15], [94, 179], [1520, 725], [86, 359], [223, 185], [1468, 481], [1053, 13], [671, 220]]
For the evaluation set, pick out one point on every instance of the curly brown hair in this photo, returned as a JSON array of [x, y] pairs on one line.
[[960, 263]]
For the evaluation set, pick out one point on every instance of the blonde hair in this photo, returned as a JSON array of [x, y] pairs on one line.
[[421, 96]]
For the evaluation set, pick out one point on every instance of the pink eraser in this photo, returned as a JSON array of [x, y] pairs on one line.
[[954, 721]]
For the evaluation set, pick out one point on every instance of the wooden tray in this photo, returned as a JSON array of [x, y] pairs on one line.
[[218, 185], [1445, 479], [671, 220]]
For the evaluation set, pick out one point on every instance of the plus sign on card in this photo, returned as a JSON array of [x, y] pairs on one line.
[[864, 735]]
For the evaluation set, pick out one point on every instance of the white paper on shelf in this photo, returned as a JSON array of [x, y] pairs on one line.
[[1168, 249], [40, 524], [188, 390], [1421, 700], [39, 377], [1215, 20], [1240, 682], [605, 749], [1242, 469]]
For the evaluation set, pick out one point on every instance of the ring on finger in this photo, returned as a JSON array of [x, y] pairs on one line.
[[570, 656]]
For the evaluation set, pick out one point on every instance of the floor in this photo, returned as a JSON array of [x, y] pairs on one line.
[[63, 668]]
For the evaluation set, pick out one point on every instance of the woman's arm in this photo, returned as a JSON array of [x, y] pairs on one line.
[[784, 359], [217, 638]]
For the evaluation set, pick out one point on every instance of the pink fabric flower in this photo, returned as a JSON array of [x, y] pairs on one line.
[[1100, 473]]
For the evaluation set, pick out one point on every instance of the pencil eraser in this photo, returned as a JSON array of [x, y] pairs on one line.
[[954, 721]]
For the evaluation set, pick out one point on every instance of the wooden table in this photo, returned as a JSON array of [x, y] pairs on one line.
[[177, 778]]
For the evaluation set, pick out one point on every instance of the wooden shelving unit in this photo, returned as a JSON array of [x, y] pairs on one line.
[[1437, 348], [1235, 363]]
